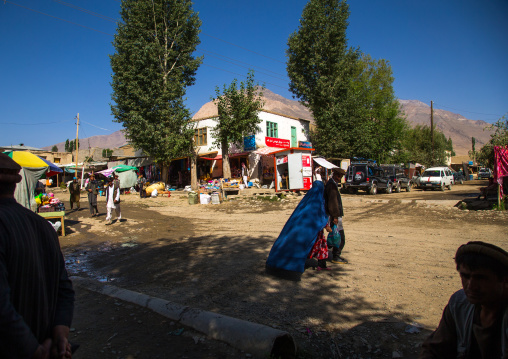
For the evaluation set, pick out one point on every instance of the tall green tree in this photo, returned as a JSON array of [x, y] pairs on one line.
[[152, 67], [350, 94], [238, 108], [320, 67], [67, 145], [54, 149], [418, 146], [378, 111]]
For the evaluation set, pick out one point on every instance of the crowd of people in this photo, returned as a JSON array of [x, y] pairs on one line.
[[37, 296]]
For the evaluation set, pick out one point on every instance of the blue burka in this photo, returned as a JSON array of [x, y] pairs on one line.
[[290, 250]]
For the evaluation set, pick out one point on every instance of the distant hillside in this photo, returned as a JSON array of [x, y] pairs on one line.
[[453, 125], [116, 139]]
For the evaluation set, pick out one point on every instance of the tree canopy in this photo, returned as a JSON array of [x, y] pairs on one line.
[[498, 138], [152, 67], [417, 146], [349, 93], [238, 109]]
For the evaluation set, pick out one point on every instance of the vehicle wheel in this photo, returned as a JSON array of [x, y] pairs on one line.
[[408, 188], [397, 188], [389, 188], [373, 189], [450, 186], [442, 186]]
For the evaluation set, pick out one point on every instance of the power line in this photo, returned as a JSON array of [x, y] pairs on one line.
[[477, 113], [218, 56], [56, 17], [32, 124]]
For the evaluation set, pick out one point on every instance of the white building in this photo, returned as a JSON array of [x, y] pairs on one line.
[[284, 124]]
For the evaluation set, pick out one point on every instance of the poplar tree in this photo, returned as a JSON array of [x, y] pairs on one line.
[[320, 67], [350, 94], [152, 67]]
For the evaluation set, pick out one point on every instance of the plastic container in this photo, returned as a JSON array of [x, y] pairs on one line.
[[215, 198], [193, 198], [470, 177], [205, 198]]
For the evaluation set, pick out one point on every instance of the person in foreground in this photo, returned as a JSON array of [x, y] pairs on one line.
[[36, 295], [475, 321]]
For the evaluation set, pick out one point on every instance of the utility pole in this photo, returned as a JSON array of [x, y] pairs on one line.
[[432, 131], [77, 144]]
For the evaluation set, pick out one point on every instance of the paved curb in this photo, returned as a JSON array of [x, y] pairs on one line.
[[257, 339]]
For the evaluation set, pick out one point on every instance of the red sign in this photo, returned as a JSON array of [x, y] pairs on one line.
[[306, 161], [277, 142], [307, 182]]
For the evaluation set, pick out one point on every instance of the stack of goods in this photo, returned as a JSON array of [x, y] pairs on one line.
[[48, 203], [230, 184]]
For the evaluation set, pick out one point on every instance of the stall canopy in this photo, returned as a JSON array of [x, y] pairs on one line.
[[324, 163], [126, 174], [52, 169], [32, 169]]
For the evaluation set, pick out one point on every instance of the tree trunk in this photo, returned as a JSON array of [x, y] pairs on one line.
[[164, 174], [194, 173], [226, 168]]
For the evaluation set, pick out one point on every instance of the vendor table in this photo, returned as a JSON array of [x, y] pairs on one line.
[[60, 215]]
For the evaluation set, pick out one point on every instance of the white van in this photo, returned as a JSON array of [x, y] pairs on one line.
[[436, 177]]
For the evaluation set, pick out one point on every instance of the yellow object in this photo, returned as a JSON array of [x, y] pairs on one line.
[[38, 201], [159, 186]]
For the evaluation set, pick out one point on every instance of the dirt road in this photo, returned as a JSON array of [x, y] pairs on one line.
[[400, 248]]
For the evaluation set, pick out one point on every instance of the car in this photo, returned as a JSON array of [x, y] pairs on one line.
[[484, 173], [367, 176], [458, 177], [398, 177], [436, 177]]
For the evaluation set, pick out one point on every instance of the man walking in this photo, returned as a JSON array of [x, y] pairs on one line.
[[112, 201], [36, 295], [93, 190], [75, 192], [334, 209], [474, 324]]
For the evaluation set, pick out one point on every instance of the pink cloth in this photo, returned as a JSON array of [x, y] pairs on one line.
[[501, 170]]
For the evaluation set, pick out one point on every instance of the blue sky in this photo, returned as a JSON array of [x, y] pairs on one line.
[[54, 60]]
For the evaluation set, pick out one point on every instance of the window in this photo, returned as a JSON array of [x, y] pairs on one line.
[[200, 136], [271, 129], [56, 160]]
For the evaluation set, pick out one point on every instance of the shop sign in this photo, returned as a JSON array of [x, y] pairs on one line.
[[470, 163], [282, 159], [304, 144], [277, 142], [249, 143], [307, 182], [306, 161]]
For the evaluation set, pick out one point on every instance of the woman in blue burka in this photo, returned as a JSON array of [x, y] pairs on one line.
[[296, 240]]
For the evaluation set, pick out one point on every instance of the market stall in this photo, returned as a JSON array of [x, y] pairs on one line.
[[293, 169]]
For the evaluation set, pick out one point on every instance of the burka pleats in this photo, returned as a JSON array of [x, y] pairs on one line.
[[289, 252]]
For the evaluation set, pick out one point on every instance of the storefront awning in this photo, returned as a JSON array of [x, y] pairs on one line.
[[266, 151], [219, 157]]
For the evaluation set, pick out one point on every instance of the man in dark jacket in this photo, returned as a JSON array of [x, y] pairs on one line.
[[333, 206], [36, 295]]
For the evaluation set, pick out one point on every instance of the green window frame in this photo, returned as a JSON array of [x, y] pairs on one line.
[[272, 129]]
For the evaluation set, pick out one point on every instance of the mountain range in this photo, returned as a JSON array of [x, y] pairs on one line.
[[454, 126]]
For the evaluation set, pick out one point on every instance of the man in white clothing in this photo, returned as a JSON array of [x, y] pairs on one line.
[[112, 200]]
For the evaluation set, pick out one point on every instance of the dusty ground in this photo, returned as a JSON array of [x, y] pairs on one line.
[[401, 272]]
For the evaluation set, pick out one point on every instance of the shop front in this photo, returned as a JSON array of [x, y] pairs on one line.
[[293, 169]]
